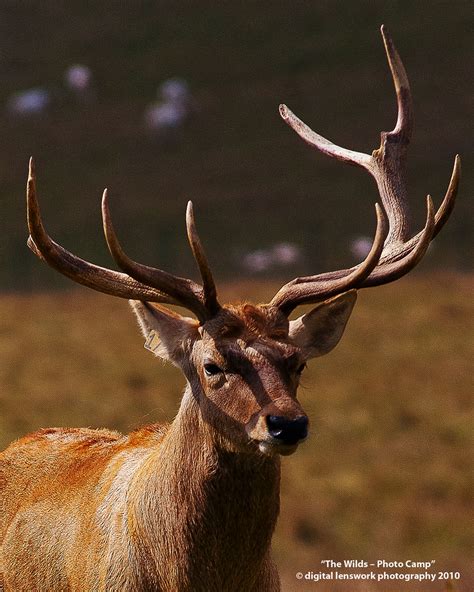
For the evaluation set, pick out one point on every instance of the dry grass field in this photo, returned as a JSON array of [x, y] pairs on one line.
[[385, 473]]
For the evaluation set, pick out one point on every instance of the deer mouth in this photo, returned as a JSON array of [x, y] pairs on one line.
[[272, 447]]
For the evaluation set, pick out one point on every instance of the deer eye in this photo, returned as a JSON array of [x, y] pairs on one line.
[[300, 368], [212, 369]]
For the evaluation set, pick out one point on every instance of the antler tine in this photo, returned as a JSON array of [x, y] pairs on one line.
[[387, 166], [404, 125], [81, 271], [186, 292], [447, 205], [306, 290], [322, 144], [208, 284]]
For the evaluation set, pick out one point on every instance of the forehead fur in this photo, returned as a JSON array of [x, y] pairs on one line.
[[248, 322]]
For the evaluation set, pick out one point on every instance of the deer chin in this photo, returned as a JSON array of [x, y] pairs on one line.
[[271, 448]]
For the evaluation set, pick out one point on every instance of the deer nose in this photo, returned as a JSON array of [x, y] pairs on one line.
[[289, 431]]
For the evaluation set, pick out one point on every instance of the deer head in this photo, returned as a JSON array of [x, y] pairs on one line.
[[243, 362]]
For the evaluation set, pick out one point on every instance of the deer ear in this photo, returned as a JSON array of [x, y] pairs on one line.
[[166, 332], [319, 331]]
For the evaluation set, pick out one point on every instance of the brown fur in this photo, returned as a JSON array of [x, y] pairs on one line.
[[188, 507]]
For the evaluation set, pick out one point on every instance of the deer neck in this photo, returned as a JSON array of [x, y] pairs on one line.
[[202, 503]]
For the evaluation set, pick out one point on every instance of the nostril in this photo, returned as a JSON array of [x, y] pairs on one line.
[[275, 425], [289, 431]]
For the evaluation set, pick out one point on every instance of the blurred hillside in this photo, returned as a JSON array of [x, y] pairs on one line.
[[253, 181]]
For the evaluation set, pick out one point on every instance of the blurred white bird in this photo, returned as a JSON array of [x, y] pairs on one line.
[[286, 254], [33, 101], [279, 255], [360, 247], [37, 101], [174, 90], [79, 82], [175, 105], [78, 78]]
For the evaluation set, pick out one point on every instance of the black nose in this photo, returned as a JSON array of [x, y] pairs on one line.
[[289, 431]]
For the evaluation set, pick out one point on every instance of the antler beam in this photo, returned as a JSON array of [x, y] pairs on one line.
[[387, 167]]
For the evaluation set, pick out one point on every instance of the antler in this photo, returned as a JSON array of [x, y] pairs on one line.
[[387, 166], [392, 254], [140, 282]]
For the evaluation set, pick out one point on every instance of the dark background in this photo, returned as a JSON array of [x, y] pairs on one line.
[[253, 182]]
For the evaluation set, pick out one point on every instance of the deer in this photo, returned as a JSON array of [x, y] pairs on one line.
[[191, 506]]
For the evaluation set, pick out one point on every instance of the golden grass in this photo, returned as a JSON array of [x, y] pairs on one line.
[[386, 471]]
